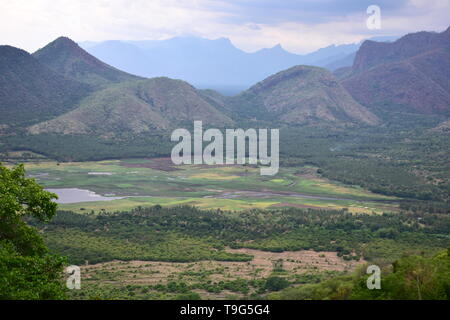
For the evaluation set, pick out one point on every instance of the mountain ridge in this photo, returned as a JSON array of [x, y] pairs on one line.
[[66, 57], [408, 75]]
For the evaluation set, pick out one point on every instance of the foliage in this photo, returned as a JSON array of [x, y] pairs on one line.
[[28, 270], [412, 278], [276, 283], [188, 234]]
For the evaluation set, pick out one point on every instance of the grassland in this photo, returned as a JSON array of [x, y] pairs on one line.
[[147, 182]]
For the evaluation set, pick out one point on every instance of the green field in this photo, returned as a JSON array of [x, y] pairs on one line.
[[147, 182]]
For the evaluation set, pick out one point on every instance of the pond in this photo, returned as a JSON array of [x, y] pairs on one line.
[[75, 195]]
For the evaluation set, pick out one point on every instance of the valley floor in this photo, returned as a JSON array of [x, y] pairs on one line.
[[145, 239], [146, 182]]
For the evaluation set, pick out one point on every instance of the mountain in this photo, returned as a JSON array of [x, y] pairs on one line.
[[121, 102], [346, 61], [373, 53], [302, 95], [65, 57], [136, 107], [214, 64], [343, 72], [30, 92], [411, 74]]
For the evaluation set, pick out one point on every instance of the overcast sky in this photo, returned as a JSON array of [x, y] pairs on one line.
[[299, 26]]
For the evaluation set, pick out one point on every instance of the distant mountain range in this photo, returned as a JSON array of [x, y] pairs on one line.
[[411, 74], [62, 89], [213, 64], [301, 95]]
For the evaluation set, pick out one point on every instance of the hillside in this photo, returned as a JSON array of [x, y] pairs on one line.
[[65, 57], [443, 127], [347, 61], [302, 95], [408, 75], [30, 92], [373, 53], [136, 107]]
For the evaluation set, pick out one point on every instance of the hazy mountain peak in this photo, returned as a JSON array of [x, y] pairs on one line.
[[224, 40], [66, 41], [64, 45], [277, 47]]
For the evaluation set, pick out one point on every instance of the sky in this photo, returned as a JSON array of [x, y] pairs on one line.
[[300, 26]]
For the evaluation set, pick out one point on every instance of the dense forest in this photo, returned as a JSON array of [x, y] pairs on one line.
[[186, 233]]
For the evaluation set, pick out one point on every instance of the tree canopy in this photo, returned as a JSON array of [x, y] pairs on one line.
[[28, 270]]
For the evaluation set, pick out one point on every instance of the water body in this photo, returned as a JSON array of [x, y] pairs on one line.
[[75, 195]]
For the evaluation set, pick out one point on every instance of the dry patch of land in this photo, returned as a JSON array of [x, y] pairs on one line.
[[263, 265]]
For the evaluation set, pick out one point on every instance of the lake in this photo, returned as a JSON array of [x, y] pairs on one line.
[[75, 195]]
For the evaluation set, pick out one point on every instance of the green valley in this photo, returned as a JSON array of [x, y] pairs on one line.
[[147, 182], [87, 178]]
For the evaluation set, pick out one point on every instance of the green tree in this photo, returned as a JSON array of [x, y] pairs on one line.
[[412, 278], [27, 269], [276, 283]]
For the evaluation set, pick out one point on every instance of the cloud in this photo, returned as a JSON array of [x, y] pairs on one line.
[[305, 11], [300, 26]]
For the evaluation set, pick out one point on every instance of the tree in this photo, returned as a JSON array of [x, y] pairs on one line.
[[27, 269], [276, 283], [412, 278]]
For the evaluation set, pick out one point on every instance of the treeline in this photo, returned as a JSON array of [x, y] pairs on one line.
[[88, 148]]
